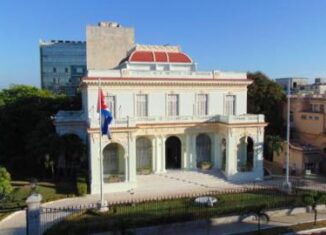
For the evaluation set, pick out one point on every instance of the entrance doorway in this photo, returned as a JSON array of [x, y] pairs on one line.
[[173, 153]]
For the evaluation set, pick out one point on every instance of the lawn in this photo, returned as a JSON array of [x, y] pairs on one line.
[[124, 216], [21, 190]]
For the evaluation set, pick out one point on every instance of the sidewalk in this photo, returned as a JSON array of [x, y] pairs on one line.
[[203, 227]]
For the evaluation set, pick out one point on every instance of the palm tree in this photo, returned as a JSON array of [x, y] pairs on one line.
[[274, 143], [313, 199]]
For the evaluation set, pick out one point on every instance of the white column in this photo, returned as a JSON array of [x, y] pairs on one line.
[[216, 151], [154, 159], [158, 153], [94, 163], [188, 152], [193, 152], [183, 152], [127, 168], [258, 154], [231, 159], [132, 158], [163, 169]]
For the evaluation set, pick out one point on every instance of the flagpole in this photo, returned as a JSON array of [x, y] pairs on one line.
[[287, 183], [102, 206]]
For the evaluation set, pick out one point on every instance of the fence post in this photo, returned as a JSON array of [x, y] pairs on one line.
[[33, 211]]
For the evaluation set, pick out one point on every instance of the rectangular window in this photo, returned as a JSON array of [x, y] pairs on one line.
[[202, 104], [141, 106], [315, 108], [111, 102], [316, 118], [230, 105], [66, 70], [54, 70], [79, 70], [322, 108], [303, 116], [173, 105]]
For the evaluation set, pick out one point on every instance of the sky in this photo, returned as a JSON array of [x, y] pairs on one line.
[[281, 38]]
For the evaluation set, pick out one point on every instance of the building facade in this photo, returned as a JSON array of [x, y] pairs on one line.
[[303, 159], [172, 118], [308, 134], [167, 115], [308, 119], [62, 65]]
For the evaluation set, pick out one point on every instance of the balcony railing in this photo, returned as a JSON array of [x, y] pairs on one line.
[[70, 116], [170, 73], [133, 121]]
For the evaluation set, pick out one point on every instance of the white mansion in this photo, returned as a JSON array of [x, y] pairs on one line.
[[166, 115]]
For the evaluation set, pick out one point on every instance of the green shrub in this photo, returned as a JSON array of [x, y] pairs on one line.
[[81, 185], [205, 165], [5, 182]]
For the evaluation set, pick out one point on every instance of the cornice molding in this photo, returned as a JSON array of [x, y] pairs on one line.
[[168, 82]]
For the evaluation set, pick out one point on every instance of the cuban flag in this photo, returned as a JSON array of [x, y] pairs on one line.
[[106, 115]]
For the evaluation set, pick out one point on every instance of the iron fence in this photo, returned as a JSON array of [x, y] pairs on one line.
[[50, 216], [140, 212]]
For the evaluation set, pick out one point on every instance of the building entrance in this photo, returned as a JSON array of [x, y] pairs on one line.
[[173, 153]]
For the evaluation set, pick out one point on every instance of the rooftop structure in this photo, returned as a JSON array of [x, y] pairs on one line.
[[107, 44]]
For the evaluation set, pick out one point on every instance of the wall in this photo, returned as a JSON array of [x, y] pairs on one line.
[[313, 123], [125, 100], [107, 46], [296, 159]]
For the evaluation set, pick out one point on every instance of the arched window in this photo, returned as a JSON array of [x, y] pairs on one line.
[[143, 155], [113, 163], [245, 154], [203, 148]]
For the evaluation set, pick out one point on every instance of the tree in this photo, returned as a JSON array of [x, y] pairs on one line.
[[274, 143], [5, 182], [267, 97], [27, 131], [313, 199], [73, 150]]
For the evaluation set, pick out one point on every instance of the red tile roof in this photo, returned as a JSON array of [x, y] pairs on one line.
[[159, 56], [146, 56]]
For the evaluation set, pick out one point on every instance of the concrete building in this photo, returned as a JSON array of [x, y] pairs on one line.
[[320, 80], [107, 44], [308, 134], [167, 115], [302, 86], [296, 83], [62, 65], [304, 159]]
